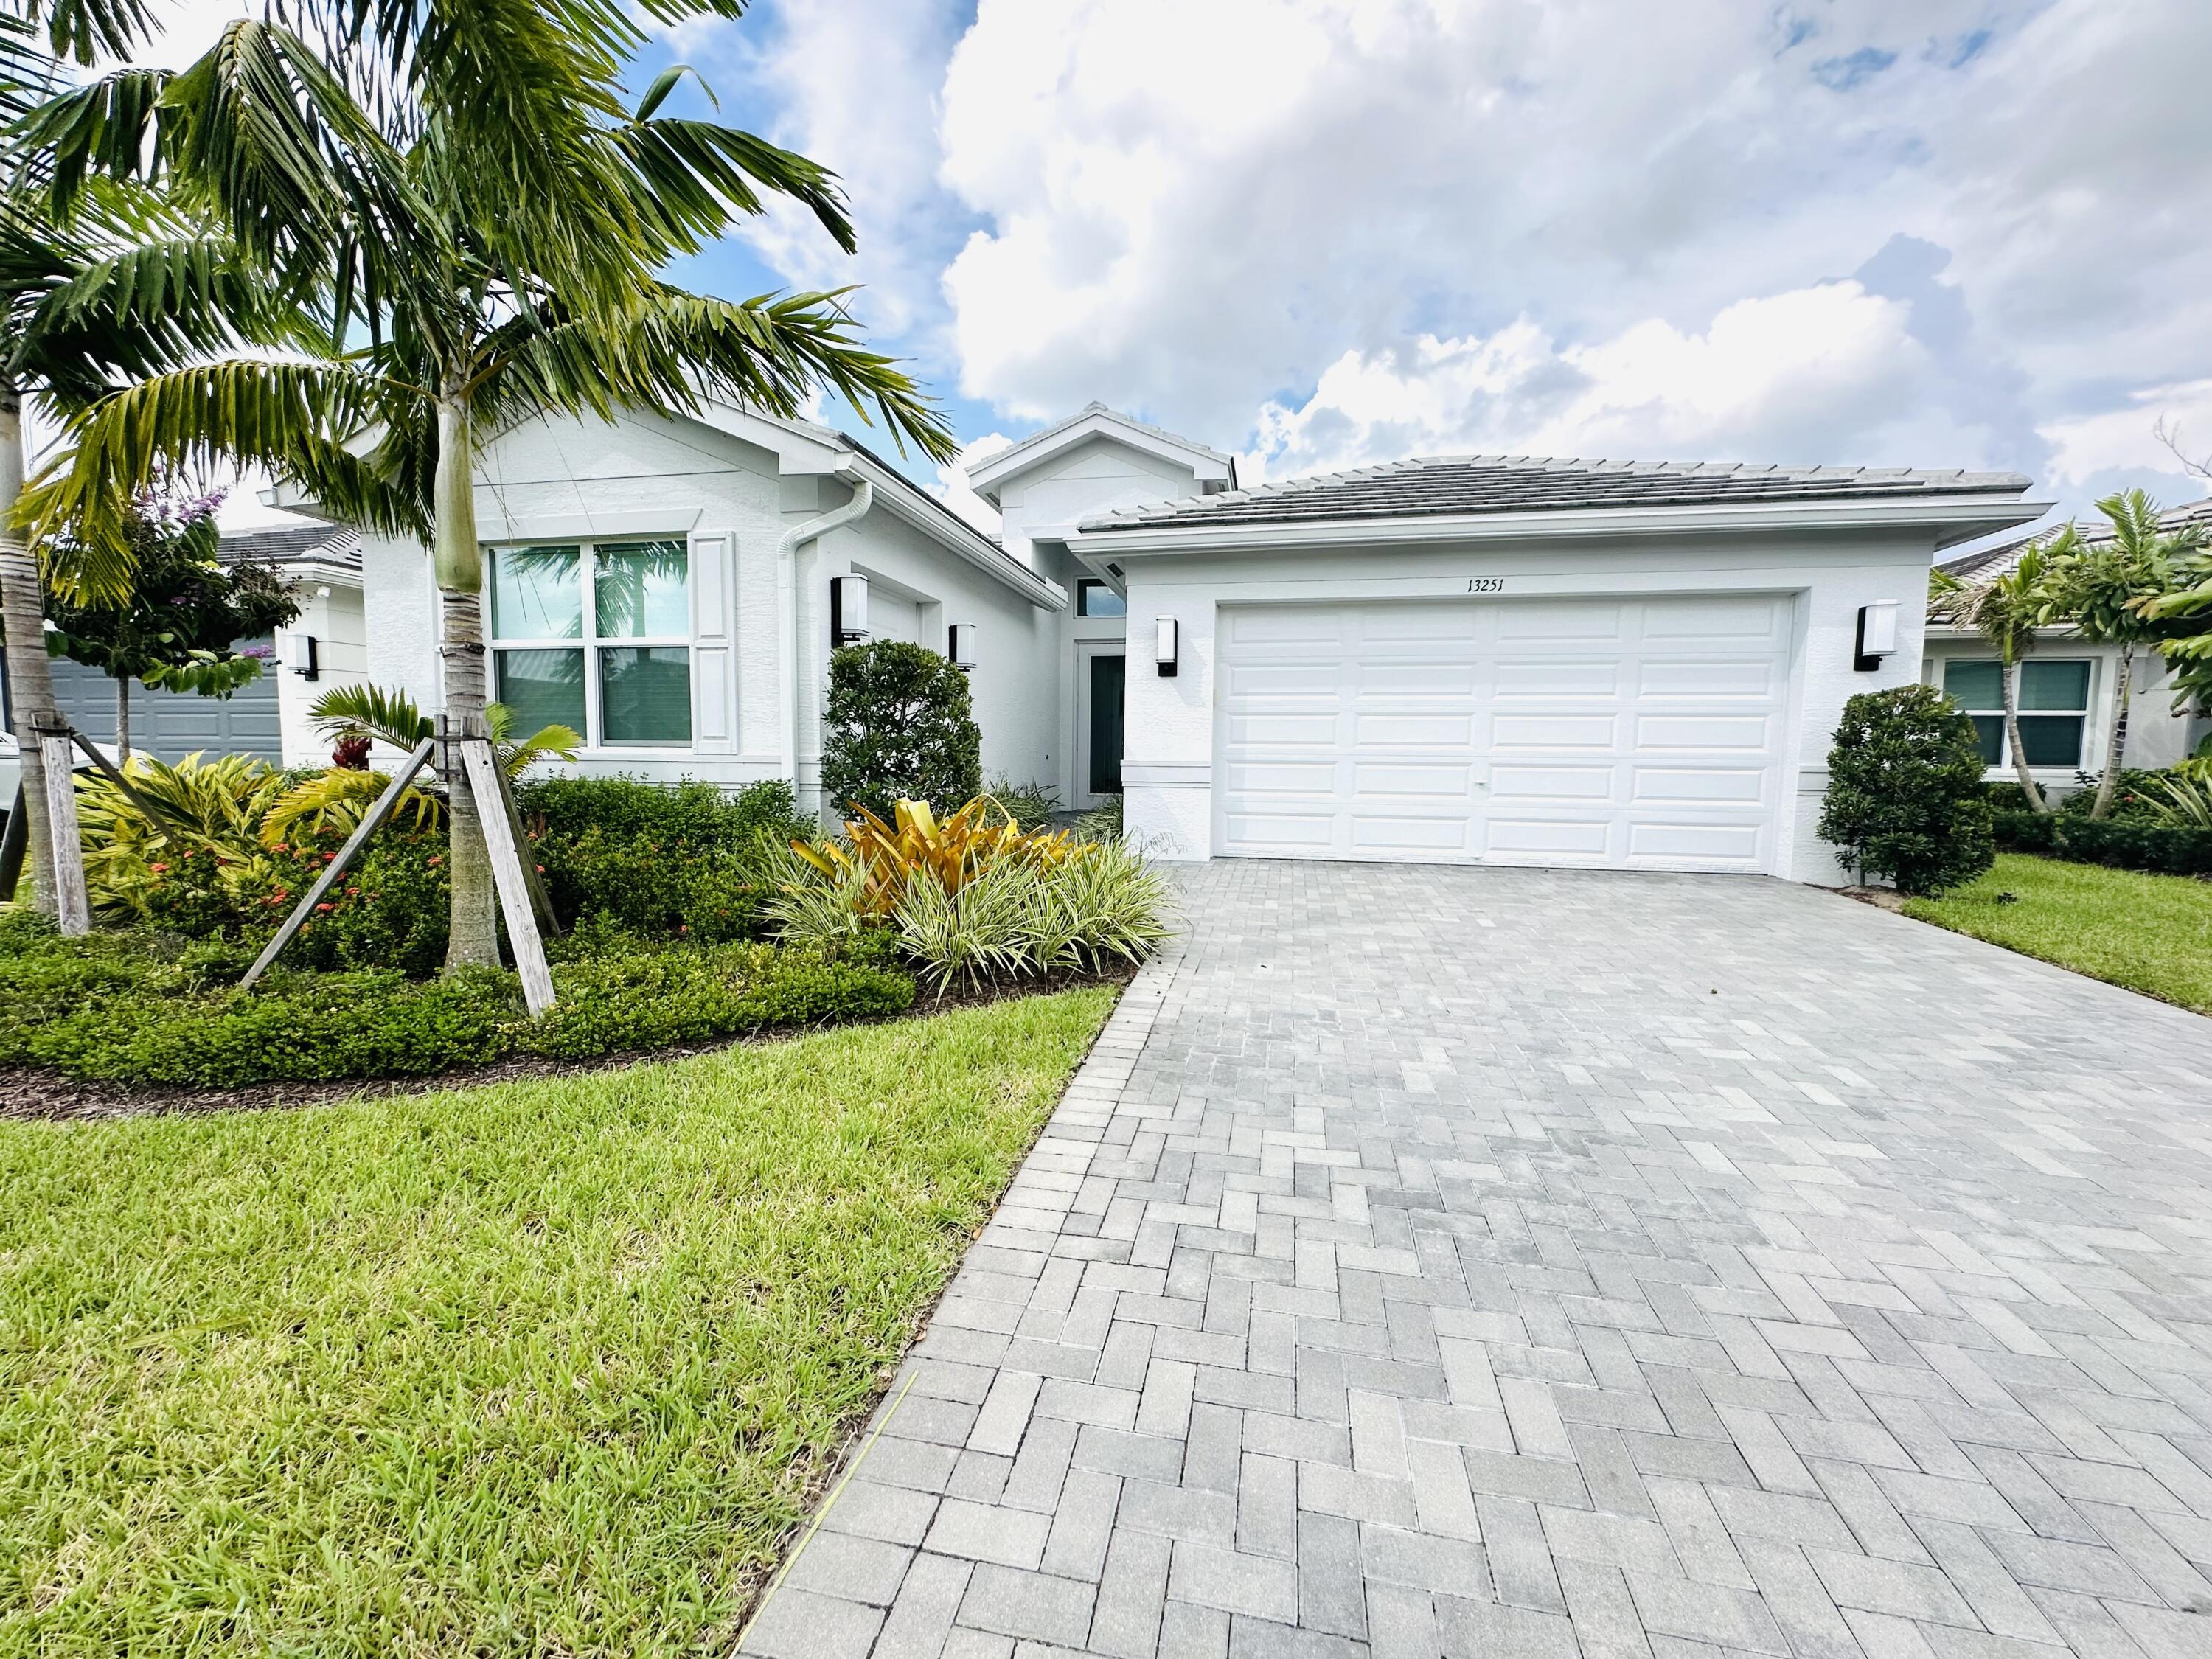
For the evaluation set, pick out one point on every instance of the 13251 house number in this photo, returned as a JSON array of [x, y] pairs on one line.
[[1486, 584]]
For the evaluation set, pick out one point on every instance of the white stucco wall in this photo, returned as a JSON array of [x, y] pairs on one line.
[[1169, 766], [642, 476], [331, 613]]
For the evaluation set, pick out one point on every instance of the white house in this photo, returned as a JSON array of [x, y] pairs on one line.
[[2066, 686], [1493, 659]]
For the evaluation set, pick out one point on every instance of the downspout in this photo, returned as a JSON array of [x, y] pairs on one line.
[[786, 603]]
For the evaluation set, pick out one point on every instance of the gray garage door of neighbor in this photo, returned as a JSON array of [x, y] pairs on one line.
[[170, 726]]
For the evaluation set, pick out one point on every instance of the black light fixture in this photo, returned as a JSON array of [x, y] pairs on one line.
[[849, 610], [1877, 634], [1169, 639], [960, 644], [303, 655]]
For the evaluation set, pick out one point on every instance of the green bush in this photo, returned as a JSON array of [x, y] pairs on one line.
[[1906, 798], [1031, 805], [2129, 799], [899, 726], [692, 813], [2123, 843], [114, 1009]]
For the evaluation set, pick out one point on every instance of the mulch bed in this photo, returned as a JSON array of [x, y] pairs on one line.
[[30, 1094], [1882, 898]]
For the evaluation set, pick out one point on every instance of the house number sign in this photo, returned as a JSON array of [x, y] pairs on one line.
[[1486, 584]]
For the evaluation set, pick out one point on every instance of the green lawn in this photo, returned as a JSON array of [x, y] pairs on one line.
[[2150, 933], [539, 1368]]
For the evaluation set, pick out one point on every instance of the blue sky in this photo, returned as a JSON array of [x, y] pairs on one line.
[[1325, 233]]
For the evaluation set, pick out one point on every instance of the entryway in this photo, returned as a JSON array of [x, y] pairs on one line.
[[1101, 678]]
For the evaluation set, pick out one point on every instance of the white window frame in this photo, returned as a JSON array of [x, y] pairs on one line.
[[2003, 761], [591, 642]]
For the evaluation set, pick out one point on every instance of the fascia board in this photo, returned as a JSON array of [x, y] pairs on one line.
[[1950, 521], [894, 495]]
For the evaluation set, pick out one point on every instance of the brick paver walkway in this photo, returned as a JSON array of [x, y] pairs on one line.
[[1460, 1261]]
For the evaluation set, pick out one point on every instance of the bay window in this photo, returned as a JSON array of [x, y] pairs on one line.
[[595, 635], [2054, 708]]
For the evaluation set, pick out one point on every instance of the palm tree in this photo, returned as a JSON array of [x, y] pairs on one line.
[[2105, 588], [484, 247], [2006, 610], [120, 287]]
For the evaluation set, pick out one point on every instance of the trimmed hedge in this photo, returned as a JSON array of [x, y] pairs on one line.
[[2123, 843], [111, 1009]]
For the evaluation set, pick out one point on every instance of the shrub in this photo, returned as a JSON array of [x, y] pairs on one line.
[[691, 812], [1031, 805], [1905, 799], [2123, 843], [111, 1009], [2132, 796], [899, 726]]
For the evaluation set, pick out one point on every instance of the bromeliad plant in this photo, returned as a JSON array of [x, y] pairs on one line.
[[886, 860]]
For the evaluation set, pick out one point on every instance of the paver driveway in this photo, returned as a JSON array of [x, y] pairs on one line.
[[1490, 1261]]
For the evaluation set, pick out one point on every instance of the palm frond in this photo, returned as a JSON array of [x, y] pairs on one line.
[[389, 716], [336, 801]]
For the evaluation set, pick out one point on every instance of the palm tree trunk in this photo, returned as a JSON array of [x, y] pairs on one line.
[[473, 937], [2028, 784], [2117, 746], [121, 720], [30, 679]]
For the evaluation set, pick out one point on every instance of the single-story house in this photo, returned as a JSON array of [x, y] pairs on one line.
[[268, 717], [1484, 657], [2066, 683]]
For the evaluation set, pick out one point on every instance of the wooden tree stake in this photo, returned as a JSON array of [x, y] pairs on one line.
[[337, 866], [515, 904], [74, 907], [16, 837]]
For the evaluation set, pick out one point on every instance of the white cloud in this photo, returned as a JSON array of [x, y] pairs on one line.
[[1772, 379], [2126, 438]]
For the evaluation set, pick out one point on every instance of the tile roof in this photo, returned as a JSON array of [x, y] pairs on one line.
[[332, 544], [1456, 484], [1987, 563]]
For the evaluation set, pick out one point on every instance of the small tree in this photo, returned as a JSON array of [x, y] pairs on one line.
[[2005, 611], [900, 726], [2107, 589], [1904, 791], [177, 627]]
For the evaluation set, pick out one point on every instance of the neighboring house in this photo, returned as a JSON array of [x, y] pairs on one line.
[[1504, 659], [2066, 684], [266, 718]]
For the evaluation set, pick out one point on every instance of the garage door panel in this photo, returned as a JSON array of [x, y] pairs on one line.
[[1531, 621], [1591, 732], [1695, 843], [1318, 728], [1743, 786], [1739, 733], [1703, 679], [1376, 833], [1256, 679], [1441, 780], [1545, 681], [1538, 838], [1553, 733], [1379, 731], [1510, 784]]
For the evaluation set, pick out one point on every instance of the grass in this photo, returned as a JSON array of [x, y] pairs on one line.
[[544, 1367], [2150, 933]]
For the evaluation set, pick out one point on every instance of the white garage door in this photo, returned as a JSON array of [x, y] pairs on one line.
[[1627, 734]]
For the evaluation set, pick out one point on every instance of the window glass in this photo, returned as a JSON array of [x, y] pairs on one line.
[[2052, 740], [542, 688], [536, 593], [645, 694], [1094, 599], [641, 590], [1989, 729], [2054, 685], [1973, 684]]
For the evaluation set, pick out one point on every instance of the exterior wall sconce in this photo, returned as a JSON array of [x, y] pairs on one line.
[[1170, 636], [1877, 634], [960, 644], [849, 610], [303, 655]]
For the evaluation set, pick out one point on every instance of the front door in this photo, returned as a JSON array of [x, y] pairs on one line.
[[1098, 758]]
